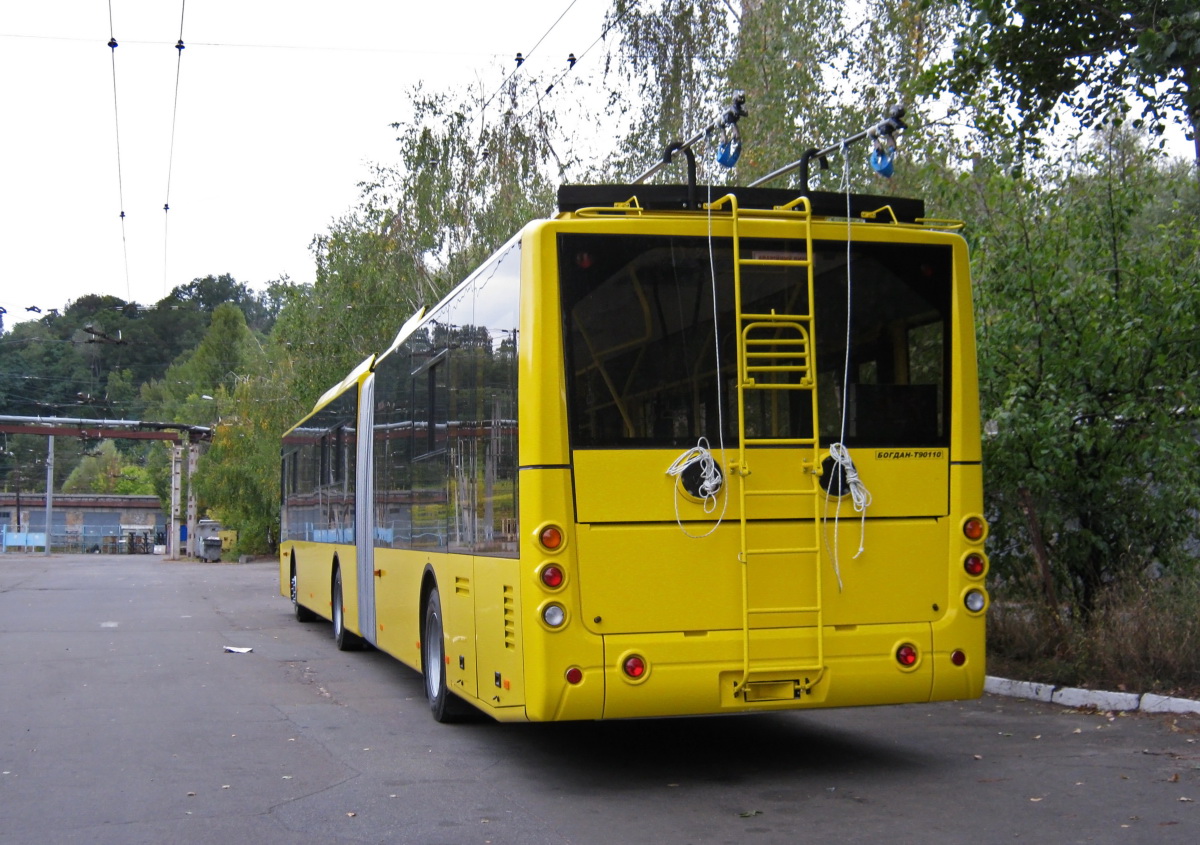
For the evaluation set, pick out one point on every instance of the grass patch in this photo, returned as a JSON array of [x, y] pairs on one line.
[[1142, 637]]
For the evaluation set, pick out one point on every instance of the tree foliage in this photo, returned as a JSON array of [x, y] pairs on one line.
[[238, 477], [1088, 304], [106, 471], [1096, 58]]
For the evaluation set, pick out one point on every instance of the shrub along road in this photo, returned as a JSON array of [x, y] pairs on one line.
[[124, 721]]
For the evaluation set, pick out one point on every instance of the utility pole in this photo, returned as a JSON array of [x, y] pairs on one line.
[[173, 535], [49, 491], [193, 457]]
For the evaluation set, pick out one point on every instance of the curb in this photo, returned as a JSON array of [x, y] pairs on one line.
[[1082, 698]]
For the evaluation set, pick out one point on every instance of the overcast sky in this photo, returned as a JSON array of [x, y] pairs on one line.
[[281, 106]]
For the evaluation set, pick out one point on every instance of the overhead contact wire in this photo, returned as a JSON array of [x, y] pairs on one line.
[[112, 44], [603, 34], [171, 150], [521, 57]]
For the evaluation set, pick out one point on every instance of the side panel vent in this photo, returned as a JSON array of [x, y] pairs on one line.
[[510, 617]]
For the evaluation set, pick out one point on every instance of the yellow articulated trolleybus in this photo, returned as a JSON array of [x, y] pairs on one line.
[[664, 454]]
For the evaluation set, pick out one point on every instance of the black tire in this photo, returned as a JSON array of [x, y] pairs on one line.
[[443, 704], [346, 641], [302, 613]]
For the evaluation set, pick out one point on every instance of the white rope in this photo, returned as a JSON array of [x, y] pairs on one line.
[[711, 481], [859, 494], [710, 477], [858, 491]]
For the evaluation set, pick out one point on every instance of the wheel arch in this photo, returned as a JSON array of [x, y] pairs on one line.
[[428, 585]]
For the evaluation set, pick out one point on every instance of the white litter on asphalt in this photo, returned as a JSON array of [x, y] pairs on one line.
[[234, 649]]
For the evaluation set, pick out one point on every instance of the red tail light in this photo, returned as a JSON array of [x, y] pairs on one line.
[[974, 564], [574, 675], [957, 657], [552, 576], [906, 655], [634, 666]]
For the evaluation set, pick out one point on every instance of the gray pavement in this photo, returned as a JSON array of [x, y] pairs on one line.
[[123, 721]]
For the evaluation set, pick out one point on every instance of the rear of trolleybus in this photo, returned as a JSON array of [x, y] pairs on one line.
[[773, 341]]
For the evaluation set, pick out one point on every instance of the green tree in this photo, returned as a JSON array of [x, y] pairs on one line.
[[668, 78], [106, 470], [238, 477], [792, 62], [1092, 57], [1088, 305]]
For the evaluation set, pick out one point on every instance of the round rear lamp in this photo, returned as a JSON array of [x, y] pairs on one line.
[[974, 564], [975, 600], [974, 529], [554, 615], [634, 666], [551, 537], [906, 655], [552, 576], [574, 675], [957, 657]]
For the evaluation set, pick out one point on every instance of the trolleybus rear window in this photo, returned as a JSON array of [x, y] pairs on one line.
[[642, 361]]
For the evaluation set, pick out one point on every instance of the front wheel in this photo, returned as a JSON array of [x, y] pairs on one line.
[[443, 704], [346, 641]]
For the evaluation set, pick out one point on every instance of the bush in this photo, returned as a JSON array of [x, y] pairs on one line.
[[1143, 636]]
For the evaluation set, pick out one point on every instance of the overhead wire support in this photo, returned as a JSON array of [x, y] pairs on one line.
[[179, 47], [112, 45]]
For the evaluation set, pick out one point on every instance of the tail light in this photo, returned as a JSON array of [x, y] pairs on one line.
[[958, 657], [974, 529], [974, 564], [551, 538], [906, 655], [975, 600], [552, 576], [634, 666]]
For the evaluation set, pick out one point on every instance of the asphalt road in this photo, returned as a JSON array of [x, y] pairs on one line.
[[122, 720]]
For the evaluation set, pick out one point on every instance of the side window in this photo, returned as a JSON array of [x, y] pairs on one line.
[[431, 402], [393, 434], [445, 425], [497, 309]]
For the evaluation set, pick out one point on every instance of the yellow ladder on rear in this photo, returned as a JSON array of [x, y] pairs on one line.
[[777, 352]]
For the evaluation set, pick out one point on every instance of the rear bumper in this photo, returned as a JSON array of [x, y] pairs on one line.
[[698, 673]]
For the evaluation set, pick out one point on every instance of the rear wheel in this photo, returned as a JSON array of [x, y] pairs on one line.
[[346, 641], [443, 704], [302, 613]]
